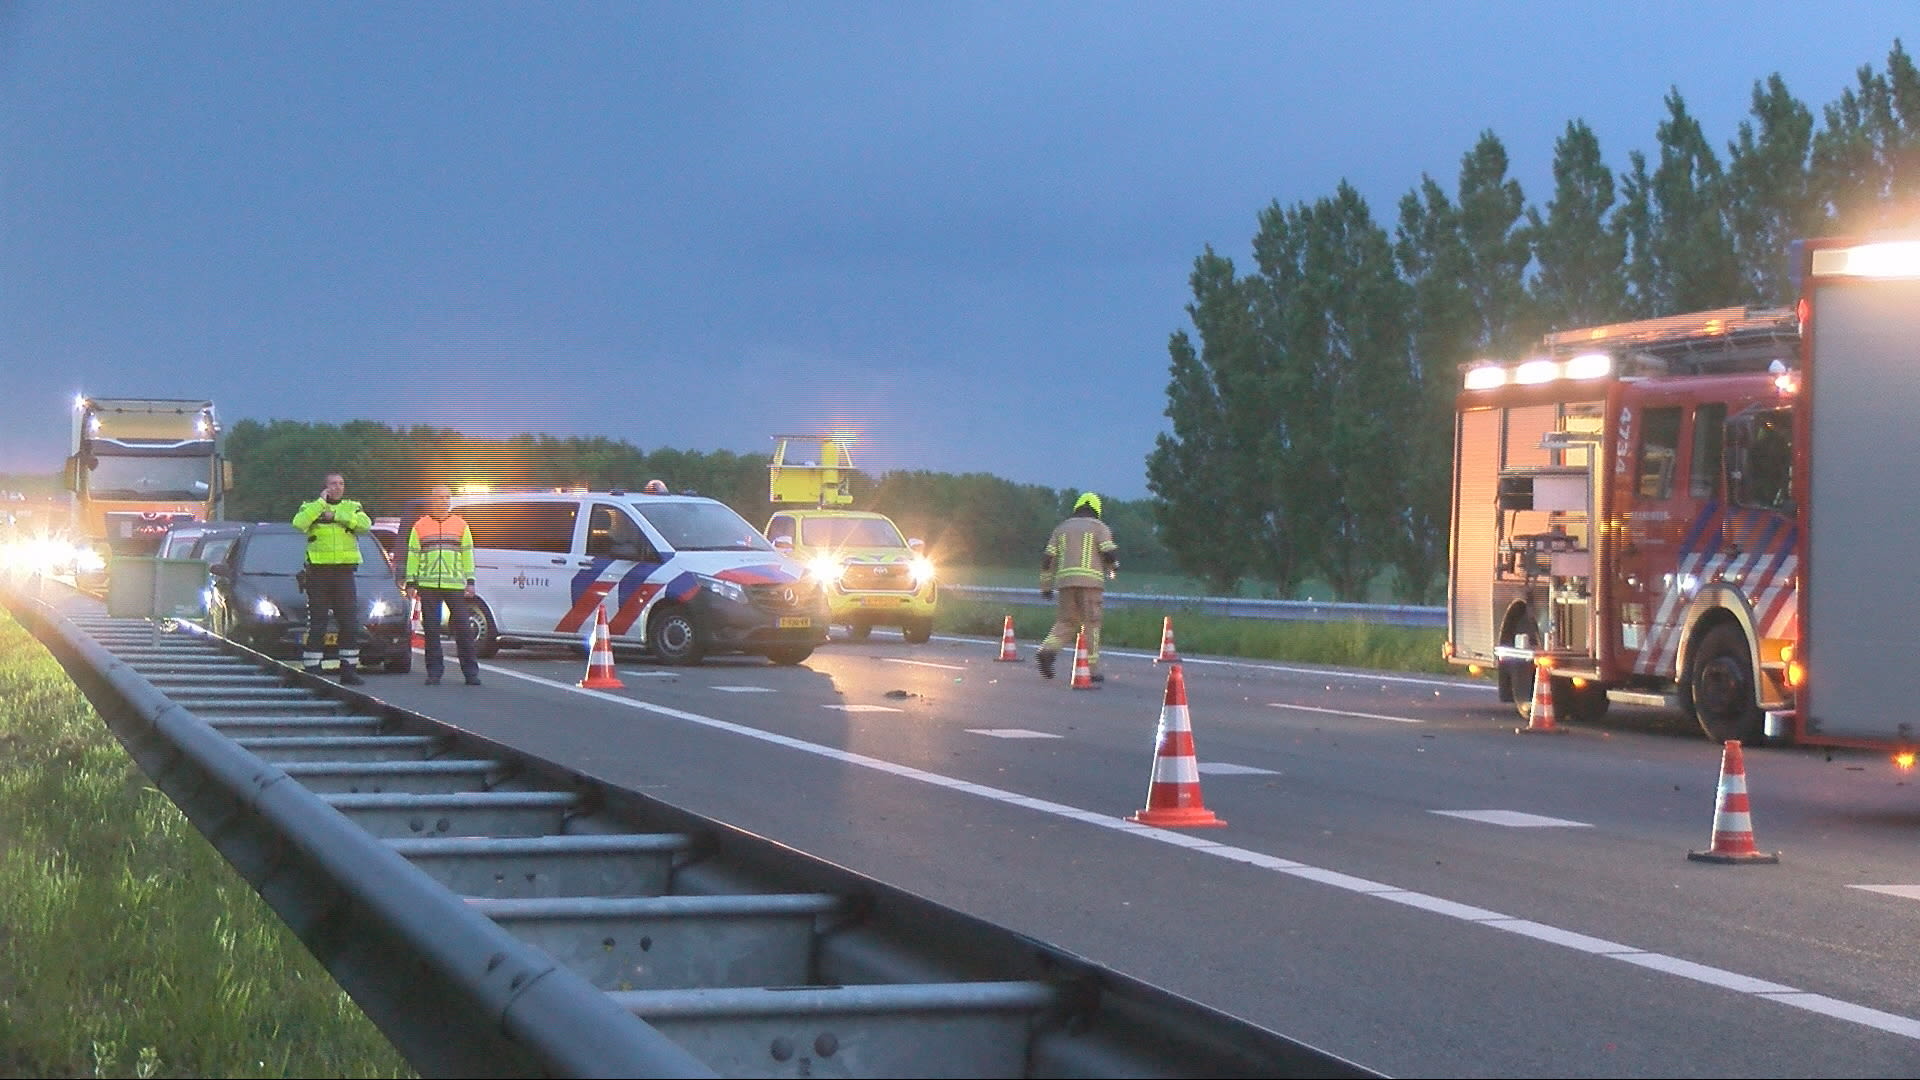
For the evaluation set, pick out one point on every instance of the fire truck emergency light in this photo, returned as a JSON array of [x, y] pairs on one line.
[[1536, 371], [1593, 365], [1889, 259], [1486, 377]]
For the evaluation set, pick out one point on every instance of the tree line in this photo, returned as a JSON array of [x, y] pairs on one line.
[[966, 519], [1311, 406]]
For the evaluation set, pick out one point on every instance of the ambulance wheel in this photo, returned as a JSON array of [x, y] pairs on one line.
[[859, 631], [486, 636], [1722, 683], [917, 631], [674, 639]]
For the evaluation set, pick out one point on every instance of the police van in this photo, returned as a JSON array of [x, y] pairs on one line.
[[680, 576]]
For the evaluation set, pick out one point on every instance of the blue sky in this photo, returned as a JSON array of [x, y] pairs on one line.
[[962, 230]]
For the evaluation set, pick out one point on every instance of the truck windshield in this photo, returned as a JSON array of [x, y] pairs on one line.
[[850, 532], [702, 526], [170, 479]]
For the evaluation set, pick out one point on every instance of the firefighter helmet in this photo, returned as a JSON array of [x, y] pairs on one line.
[[1088, 499]]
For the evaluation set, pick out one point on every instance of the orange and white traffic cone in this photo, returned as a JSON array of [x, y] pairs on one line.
[[1732, 821], [1541, 718], [1173, 793], [1167, 655], [1007, 649], [600, 672], [419, 628], [1082, 671]]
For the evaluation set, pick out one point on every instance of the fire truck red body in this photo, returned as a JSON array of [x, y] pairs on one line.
[[1636, 509]]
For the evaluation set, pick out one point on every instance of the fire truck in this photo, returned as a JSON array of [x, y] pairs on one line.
[[1634, 510]]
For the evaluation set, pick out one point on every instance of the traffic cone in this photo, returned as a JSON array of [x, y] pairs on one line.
[[1167, 655], [1173, 793], [419, 629], [1541, 718], [600, 673], [1007, 648], [1082, 671], [1732, 823]]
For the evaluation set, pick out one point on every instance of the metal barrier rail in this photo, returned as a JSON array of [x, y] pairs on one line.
[[1306, 610], [496, 914]]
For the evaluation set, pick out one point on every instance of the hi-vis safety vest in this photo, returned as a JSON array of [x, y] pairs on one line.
[[332, 543], [1075, 554], [440, 553]]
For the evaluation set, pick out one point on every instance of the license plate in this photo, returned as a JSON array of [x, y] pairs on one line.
[[331, 639], [795, 622]]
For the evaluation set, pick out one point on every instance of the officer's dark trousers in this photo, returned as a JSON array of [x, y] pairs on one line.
[[331, 597], [430, 611]]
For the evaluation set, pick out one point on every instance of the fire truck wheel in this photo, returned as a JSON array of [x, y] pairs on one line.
[[1722, 685]]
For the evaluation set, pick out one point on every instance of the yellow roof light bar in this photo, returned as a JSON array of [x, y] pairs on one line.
[[1892, 258]]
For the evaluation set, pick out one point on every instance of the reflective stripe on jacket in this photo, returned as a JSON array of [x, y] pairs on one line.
[[440, 553], [1078, 554], [332, 543]]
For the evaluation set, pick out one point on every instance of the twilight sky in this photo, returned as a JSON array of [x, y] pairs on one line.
[[960, 230]]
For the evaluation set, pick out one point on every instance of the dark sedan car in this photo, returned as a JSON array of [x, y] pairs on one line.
[[256, 598]]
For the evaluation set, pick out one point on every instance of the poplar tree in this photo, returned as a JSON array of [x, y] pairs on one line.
[[1578, 258], [1769, 195]]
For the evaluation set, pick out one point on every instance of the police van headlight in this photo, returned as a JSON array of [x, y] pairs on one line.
[[726, 589], [266, 608]]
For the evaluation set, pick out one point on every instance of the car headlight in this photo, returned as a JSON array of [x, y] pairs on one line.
[[87, 560], [921, 569], [379, 610], [266, 608], [726, 589], [826, 569]]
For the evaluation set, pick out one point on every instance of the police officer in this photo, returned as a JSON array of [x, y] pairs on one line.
[[1080, 556], [440, 573], [333, 524]]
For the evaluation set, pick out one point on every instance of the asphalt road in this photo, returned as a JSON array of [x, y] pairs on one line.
[[1402, 880]]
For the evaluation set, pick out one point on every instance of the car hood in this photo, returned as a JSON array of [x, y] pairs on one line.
[[741, 567]]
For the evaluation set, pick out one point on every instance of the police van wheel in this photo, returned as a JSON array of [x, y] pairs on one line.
[[672, 638], [486, 636]]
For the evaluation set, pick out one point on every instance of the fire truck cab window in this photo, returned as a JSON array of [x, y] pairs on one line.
[[1709, 442], [1659, 447], [1760, 466]]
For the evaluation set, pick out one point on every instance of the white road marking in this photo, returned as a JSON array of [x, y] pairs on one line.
[[1904, 892], [1343, 712], [743, 689], [1011, 733], [648, 674], [864, 708], [924, 663], [1221, 768], [1892, 1023], [1513, 819]]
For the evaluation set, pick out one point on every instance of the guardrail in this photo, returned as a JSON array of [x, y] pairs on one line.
[[1306, 610], [496, 914]]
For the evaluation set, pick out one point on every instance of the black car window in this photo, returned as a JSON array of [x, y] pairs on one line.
[[521, 526], [274, 553], [212, 551]]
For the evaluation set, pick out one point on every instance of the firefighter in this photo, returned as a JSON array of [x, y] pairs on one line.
[[1080, 556], [333, 524], [440, 574]]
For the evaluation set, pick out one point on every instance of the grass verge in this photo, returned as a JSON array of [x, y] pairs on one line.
[[128, 946]]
